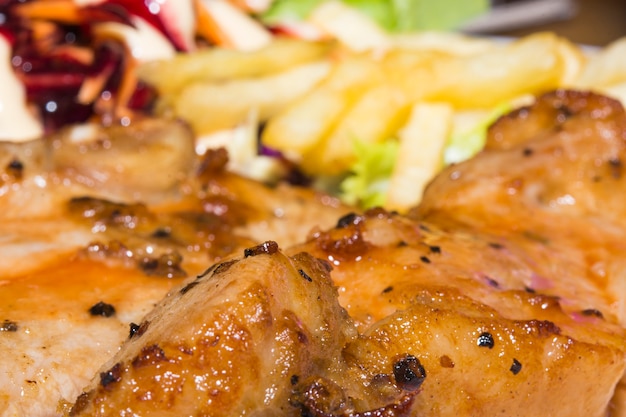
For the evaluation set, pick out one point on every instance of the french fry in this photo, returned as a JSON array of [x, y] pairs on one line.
[[209, 107], [374, 117], [446, 42], [351, 27], [318, 99], [530, 65], [301, 126], [218, 64], [422, 140], [413, 72], [605, 68], [573, 59]]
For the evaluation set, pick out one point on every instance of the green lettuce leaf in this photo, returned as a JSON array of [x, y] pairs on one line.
[[413, 15], [392, 15], [380, 11], [467, 144], [368, 181], [289, 10]]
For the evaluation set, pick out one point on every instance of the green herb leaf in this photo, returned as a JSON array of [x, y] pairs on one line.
[[369, 179], [467, 144], [289, 11], [380, 11], [413, 15], [392, 15]]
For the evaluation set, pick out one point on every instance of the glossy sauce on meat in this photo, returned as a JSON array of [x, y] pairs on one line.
[[89, 248], [498, 295]]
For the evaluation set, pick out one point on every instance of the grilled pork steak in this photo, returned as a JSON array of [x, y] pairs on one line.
[[94, 231], [502, 294]]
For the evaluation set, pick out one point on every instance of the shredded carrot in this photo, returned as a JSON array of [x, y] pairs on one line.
[[82, 54], [126, 89], [64, 11], [93, 86], [44, 35], [208, 28], [241, 4]]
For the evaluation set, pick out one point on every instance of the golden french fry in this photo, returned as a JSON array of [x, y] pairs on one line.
[[606, 67], [301, 126], [447, 42], [413, 71], [422, 140], [374, 117], [209, 107], [530, 65], [573, 59], [316, 110], [218, 64], [351, 27]]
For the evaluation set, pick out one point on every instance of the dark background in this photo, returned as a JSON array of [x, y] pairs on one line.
[[596, 22]]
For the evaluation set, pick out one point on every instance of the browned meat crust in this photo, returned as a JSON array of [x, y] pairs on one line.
[[90, 247], [501, 294]]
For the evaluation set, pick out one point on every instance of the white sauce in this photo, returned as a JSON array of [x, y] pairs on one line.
[[17, 123], [144, 42], [179, 16]]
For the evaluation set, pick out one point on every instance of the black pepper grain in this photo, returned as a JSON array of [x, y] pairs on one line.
[[16, 169], [564, 113], [16, 164], [305, 275], [8, 326], [435, 249], [387, 289], [485, 339], [294, 379], [112, 375], [492, 282], [102, 309], [162, 233], [270, 247], [408, 372], [592, 312], [615, 166], [347, 220], [134, 328], [516, 367]]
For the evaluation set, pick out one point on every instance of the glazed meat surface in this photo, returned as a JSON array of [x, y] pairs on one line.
[[96, 228], [501, 294]]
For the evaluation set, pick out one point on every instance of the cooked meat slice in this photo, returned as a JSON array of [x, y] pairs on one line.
[[219, 346], [554, 191], [73, 237], [496, 296], [237, 340], [472, 308]]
